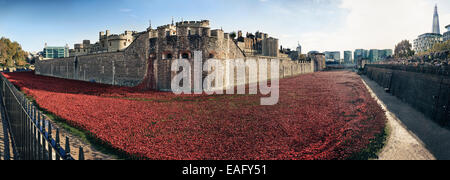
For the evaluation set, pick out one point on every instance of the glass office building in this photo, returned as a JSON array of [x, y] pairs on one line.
[[55, 52], [348, 57], [426, 42]]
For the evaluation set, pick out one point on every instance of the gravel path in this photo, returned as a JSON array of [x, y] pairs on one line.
[[402, 144]]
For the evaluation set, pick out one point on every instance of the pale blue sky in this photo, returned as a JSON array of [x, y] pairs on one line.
[[316, 24]]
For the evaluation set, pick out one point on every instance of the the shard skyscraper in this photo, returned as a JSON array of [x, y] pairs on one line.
[[436, 28]]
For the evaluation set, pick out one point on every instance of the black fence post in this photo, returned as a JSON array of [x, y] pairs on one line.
[[38, 142], [43, 137], [81, 154], [50, 154], [57, 144], [67, 147]]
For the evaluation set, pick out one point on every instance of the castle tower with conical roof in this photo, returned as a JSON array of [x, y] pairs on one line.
[[436, 28]]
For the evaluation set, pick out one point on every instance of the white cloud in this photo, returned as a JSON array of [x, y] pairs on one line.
[[376, 24]]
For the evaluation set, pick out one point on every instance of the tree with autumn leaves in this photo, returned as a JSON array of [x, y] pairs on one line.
[[11, 53], [443, 46], [403, 49]]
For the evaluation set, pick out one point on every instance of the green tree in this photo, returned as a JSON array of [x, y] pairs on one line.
[[9, 62], [3, 54], [11, 53], [403, 49]]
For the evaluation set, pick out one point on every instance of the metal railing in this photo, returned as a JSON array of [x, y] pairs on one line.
[[30, 131]]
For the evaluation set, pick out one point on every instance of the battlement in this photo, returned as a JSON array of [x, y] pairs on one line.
[[120, 36], [78, 46], [124, 35], [167, 26], [202, 23], [218, 33]]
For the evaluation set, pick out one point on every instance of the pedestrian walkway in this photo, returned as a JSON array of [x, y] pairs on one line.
[[2, 140], [5, 145], [413, 136]]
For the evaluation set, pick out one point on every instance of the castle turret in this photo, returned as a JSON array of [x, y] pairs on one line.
[[100, 35], [218, 33]]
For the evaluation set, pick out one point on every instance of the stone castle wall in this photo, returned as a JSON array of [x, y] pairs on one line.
[[125, 68], [287, 68], [147, 61]]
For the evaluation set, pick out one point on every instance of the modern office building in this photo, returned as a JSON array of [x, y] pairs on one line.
[[360, 54], [52, 52], [366, 53], [332, 56], [385, 53], [447, 34], [373, 55], [376, 55], [348, 57], [426, 41]]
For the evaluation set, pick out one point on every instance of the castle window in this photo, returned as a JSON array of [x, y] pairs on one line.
[[211, 55], [189, 32], [169, 56], [109, 43], [125, 43]]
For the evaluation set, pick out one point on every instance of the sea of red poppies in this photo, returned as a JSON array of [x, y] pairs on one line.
[[324, 115]]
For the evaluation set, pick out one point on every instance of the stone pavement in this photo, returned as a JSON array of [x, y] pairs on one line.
[[412, 135]]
